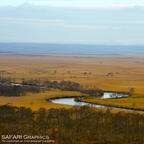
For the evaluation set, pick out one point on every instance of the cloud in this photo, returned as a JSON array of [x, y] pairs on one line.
[[93, 24], [76, 4], [93, 27], [135, 22], [87, 27], [106, 6], [127, 42], [31, 21], [61, 23], [84, 4]]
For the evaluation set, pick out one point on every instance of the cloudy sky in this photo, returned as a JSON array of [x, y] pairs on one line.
[[72, 21]]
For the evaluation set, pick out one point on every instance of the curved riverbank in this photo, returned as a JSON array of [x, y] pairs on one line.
[[115, 106], [81, 101], [102, 101]]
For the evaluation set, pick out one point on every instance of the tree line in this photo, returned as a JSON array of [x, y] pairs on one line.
[[78, 125], [12, 90], [65, 86]]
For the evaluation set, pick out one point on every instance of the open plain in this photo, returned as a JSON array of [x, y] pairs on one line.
[[119, 73]]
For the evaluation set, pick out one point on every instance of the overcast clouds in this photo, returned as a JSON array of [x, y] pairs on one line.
[[119, 22]]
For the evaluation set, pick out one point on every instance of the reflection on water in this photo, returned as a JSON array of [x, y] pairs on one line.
[[73, 102], [113, 95]]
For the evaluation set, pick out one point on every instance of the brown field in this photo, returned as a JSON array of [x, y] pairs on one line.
[[132, 103], [37, 101], [127, 72]]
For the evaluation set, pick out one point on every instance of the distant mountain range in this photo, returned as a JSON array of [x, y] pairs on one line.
[[70, 48]]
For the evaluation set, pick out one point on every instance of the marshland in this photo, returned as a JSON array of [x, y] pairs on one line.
[[104, 86]]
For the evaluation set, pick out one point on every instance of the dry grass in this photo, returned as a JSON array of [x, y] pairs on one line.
[[36, 101], [128, 72], [132, 103]]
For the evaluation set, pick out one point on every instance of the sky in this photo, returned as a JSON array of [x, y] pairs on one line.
[[71, 2], [109, 22]]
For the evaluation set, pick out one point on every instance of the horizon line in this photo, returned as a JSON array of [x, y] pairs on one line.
[[71, 43]]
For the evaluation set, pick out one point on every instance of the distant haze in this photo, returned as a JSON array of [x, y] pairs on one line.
[[98, 22], [37, 48]]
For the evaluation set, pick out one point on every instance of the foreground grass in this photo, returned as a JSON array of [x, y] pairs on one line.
[[136, 101], [36, 101]]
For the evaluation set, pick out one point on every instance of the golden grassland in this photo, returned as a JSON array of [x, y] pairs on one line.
[[127, 70], [136, 103], [37, 101]]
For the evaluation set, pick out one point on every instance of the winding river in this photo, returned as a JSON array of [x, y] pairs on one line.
[[106, 95], [73, 101]]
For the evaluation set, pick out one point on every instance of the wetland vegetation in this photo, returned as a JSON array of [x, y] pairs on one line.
[[26, 83]]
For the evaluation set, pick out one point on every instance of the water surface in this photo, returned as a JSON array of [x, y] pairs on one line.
[[107, 95]]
